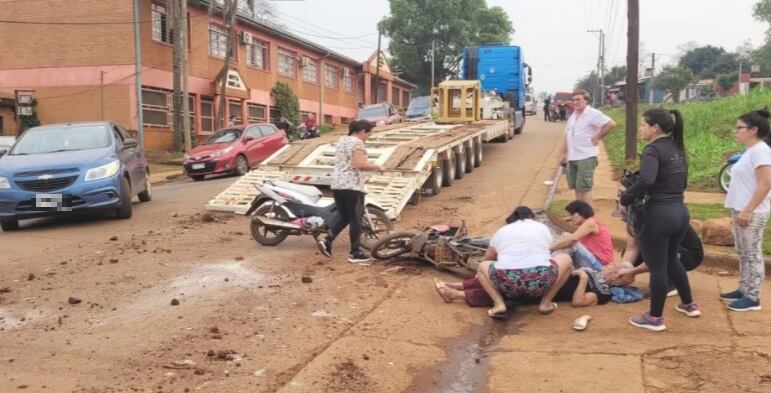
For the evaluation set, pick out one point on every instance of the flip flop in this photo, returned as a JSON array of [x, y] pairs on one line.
[[436, 286], [499, 315], [549, 311], [581, 322]]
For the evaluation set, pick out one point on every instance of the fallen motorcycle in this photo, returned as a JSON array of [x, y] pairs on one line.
[[282, 209], [445, 247]]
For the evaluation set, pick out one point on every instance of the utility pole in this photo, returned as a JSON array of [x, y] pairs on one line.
[[185, 94], [599, 86], [653, 75], [632, 93], [138, 74], [740, 76], [377, 68], [178, 59], [433, 50], [101, 95]]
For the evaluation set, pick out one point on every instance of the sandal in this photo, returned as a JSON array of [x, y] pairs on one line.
[[548, 311], [438, 288], [581, 322], [499, 314]]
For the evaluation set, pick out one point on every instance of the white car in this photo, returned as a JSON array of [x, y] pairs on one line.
[[531, 106]]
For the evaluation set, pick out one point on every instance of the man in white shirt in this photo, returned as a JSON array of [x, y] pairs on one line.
[[583, 132]]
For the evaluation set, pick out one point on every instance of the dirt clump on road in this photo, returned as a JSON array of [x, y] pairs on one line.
[[348, 377]]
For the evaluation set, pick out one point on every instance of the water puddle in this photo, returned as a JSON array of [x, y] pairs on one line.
[[468, 360]]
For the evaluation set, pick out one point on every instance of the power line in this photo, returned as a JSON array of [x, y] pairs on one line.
[[320, 28]]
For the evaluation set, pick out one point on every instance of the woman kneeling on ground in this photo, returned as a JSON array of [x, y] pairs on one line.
[[517, 265], [591, 244]]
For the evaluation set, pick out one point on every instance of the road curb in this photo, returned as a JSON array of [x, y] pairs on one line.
[[720, 260]]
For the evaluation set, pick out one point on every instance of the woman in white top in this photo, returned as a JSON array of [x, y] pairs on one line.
[[518, 264], [748, 199]]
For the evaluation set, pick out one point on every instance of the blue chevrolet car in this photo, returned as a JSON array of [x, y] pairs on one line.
[[69, 168]]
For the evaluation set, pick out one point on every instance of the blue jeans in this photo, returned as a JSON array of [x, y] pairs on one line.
[[582, 257]]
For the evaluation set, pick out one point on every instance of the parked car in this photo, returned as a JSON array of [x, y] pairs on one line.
[[69, 168], [531, 105], [419, 109], [234, 150], [5, 144], [379, 114]]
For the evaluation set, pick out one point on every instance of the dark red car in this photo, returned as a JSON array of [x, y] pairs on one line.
[[234, 150]]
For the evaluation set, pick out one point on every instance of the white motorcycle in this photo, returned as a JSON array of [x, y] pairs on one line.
[[282, 209]]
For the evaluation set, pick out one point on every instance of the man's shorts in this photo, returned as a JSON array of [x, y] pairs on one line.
[[581, 174]]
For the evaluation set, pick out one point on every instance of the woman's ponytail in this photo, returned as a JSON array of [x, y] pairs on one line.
[[678, 133]]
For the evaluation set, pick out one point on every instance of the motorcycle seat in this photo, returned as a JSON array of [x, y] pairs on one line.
[[309, 191]]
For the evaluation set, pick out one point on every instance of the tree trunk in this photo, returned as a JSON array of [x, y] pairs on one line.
[[229, 16], [177, 100]]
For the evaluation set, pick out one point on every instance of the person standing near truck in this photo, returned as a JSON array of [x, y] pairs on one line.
[[547, 109], [583, 132]]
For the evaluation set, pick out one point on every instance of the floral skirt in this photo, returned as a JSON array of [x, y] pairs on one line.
[[531, 282]]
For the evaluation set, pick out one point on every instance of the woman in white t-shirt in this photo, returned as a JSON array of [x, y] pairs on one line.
[[518, 264], [748, 198]]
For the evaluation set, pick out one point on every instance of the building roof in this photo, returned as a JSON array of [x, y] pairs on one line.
[[404, 82], [276, 30]]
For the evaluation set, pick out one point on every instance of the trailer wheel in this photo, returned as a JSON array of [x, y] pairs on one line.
[[435, 180], [460, 165], [448, 171], [470, 158], [478, 156]]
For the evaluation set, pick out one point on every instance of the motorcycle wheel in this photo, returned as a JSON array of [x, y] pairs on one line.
[[382, 227], [261, 233], [393, 245], [724, 178]]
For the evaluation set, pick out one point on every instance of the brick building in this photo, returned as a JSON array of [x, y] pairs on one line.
[[81, 71]]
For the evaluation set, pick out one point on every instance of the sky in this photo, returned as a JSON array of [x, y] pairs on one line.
[[552, 33]]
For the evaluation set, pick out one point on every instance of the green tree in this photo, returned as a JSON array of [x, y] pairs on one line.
[[589, 82], [673, 79], [762, 11], [451, 25], [286, 102], [762, 57], [701, 60], [727, 81], [616, 74]]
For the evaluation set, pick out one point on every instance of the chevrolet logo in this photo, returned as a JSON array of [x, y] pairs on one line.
[[47, 176]]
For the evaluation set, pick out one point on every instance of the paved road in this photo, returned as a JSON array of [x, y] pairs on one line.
[[180, 197]]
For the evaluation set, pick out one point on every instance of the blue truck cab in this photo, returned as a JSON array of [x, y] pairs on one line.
[[501, 69]]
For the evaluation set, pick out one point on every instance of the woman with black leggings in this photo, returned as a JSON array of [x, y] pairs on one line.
[[663, 177], [348, 188]]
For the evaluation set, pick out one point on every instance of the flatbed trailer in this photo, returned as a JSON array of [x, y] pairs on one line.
[[419, 158]]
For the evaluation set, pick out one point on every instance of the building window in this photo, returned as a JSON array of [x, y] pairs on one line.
[[256, 113], [310, 70], [218, 42], [405, 98], [344, 120], [191, 110], [275, 114], [257, 55], [328, 120], [287, 63], [307, 115], [330, 76], [156, 107], [347, 80], [395, 96], [235, 112], [207, 115], [162, 31]]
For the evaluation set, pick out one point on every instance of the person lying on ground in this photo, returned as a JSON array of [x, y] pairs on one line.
[[591, 244], [518, 264], [690, 255], [585, 287]]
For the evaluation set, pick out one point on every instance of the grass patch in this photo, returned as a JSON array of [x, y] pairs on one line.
[[161, 156], [708, 135], [557, 207]]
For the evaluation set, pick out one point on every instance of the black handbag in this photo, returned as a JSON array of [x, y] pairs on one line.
[[635, 212]]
